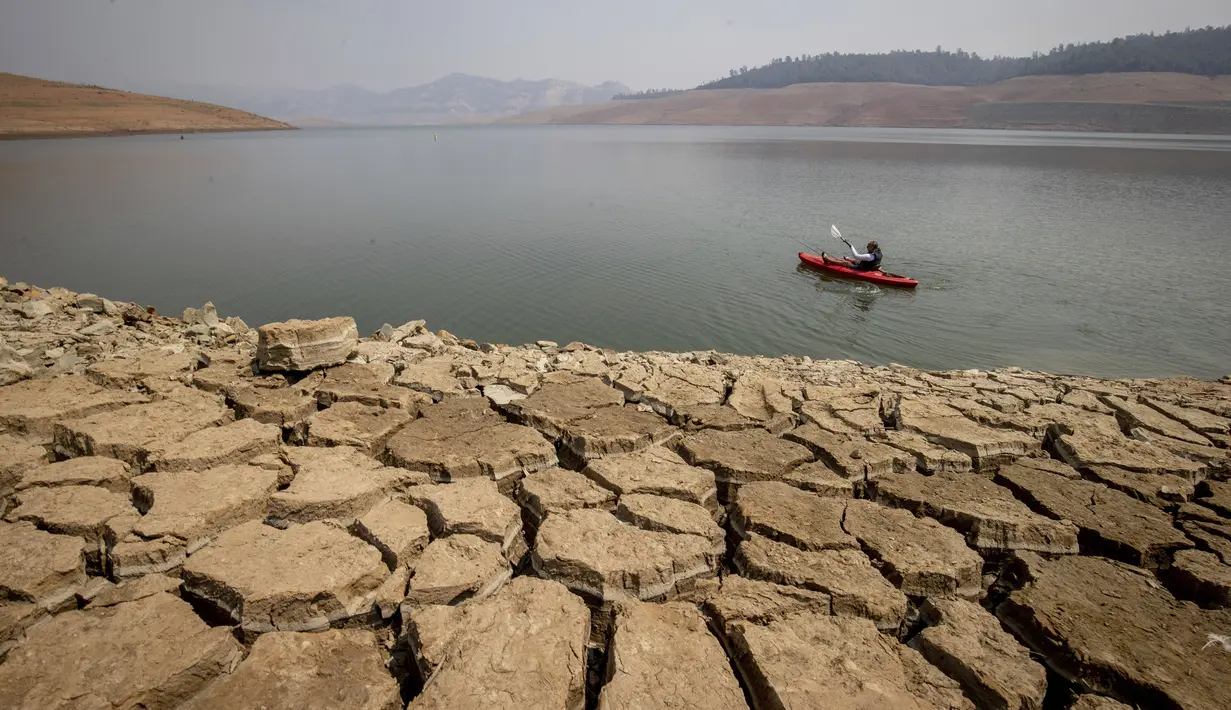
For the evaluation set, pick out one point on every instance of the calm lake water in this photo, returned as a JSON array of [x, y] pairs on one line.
[[1095, 254]]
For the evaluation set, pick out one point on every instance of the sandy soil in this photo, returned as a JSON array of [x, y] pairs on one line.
[[34, 108], [883, 104]]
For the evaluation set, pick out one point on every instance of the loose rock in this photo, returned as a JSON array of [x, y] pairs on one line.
[[501, 395], [301, 345], [91, 302], [35, 310]]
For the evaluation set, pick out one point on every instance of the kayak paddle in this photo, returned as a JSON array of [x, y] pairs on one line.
[[833, 231]]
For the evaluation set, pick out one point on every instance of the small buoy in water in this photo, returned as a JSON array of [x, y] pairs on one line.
[[435, 137], [181, 136]]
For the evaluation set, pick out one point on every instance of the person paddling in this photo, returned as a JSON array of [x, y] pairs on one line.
[[871, 261]]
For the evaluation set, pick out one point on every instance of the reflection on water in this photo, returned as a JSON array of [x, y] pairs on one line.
[[1065, 252], [861, 296]]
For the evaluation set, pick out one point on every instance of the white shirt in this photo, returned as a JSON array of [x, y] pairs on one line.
[[861, 257]]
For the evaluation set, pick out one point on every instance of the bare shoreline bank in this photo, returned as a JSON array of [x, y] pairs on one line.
[[120, 133], [1120, 103], [414, 517], [34, 108]]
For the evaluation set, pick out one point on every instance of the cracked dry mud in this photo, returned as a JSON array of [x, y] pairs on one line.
[[196, 514]]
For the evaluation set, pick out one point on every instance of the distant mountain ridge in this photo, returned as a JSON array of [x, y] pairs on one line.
[[456, 98]]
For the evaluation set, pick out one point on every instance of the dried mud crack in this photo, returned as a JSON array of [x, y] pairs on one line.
[[200, 514]]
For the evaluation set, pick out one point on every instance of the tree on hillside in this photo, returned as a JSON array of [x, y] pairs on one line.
[[649, 94], [1205, 52]]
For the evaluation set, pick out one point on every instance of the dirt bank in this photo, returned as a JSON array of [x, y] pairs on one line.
[[1008, 104], [34, 108]]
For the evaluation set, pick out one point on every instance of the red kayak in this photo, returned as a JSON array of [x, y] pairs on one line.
[[883, 278]]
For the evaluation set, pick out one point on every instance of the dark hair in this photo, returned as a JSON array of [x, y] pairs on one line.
[[873, 245]]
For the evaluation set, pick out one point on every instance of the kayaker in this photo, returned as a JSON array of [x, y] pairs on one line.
[[870, 261]]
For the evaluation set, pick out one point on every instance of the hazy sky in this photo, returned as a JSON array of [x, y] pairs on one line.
[[385, 44]]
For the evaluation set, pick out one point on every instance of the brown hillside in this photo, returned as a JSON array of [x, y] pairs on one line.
[[902, 105], [34, 108]]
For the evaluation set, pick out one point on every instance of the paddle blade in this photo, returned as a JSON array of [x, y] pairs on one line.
[[833, 230]]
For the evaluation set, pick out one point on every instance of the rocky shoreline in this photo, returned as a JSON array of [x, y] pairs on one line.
[[200, 514]]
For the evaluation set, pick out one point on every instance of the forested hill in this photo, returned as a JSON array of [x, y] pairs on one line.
[[1204, 51]]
